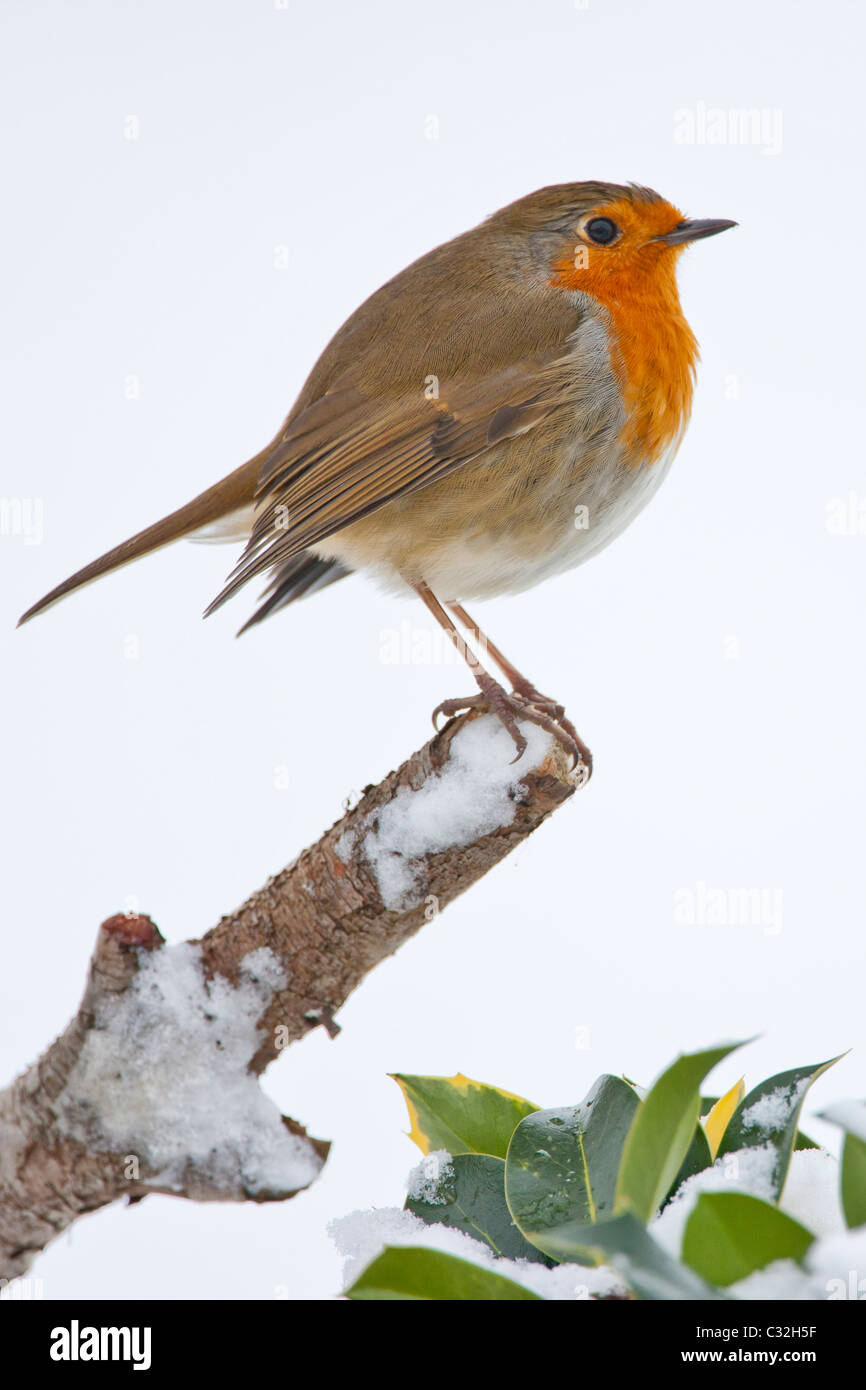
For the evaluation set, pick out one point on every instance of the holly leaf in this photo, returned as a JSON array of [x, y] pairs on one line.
[[662, 1131], [408, 1272], [562, 1164], [462, 1116], [731, 1234], [469, 1196], [770, 1114]]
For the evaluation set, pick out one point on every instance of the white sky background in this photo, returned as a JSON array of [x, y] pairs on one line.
[[713, 657]]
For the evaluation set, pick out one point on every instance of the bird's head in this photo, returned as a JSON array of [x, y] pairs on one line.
[[603, 238]]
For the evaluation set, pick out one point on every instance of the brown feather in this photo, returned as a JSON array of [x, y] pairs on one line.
[[305, 574], [374, 437], [235, 490]]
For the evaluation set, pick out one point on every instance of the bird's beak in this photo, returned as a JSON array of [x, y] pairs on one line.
[[694, 230]]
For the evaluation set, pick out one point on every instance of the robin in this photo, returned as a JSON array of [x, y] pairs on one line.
[[495, 414]]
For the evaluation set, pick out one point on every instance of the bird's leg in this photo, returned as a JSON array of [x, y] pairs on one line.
[[508, 707], [524, 688], [519, 683], [491, 694]]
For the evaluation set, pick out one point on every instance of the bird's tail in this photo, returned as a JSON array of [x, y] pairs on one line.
[[231, 493]]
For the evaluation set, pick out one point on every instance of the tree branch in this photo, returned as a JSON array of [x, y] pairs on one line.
[[152, 1087]]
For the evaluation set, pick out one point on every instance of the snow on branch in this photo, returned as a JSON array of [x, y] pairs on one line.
[[153, 1087]]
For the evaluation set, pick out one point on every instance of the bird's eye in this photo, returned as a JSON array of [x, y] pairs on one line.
[[601, 230]]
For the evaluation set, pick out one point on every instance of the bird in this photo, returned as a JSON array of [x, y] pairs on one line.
[[494, 415]]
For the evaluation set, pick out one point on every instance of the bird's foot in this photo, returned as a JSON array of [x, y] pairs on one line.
[[529, 704], [527, 691]]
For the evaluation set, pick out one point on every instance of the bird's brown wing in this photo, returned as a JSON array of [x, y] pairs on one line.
[[348, 453]]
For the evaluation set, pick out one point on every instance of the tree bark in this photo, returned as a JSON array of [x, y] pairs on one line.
[[322, 919]]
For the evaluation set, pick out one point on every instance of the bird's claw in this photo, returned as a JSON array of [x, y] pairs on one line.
[[528, 704]]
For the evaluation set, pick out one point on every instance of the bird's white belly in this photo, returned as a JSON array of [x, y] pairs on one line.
[[560, 531]]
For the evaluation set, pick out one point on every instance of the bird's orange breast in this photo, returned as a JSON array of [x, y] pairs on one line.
[[653, 349]]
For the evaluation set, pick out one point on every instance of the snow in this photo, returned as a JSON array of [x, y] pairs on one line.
[[782, 1280], [471, 796], [838, 1265], [811, 1192], [772, 1111], [426, 1178], [362, 1235], [163, 1076]]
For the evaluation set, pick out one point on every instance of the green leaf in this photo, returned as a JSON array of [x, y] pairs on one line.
[[769, 1114], [412, 1272], [851, 1115], [462, 1116], [662, 1131], [730, 1234], [561, 1165], [853, 1180], [623, 1243], [470, 1197]]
